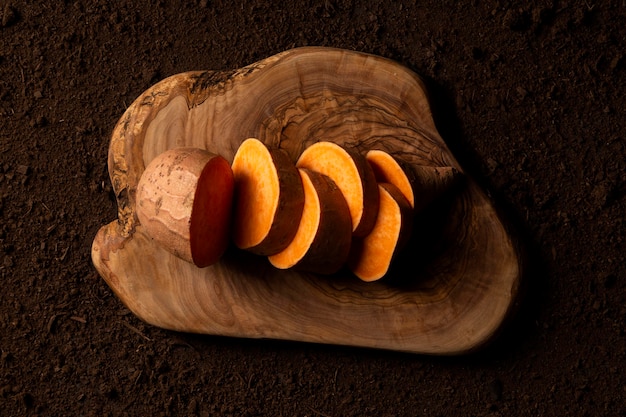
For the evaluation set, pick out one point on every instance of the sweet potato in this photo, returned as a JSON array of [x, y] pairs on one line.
[[269, 198], [324, 235], [371, 256], [354, 177], [388, 170], [420, 184], [184, 202]]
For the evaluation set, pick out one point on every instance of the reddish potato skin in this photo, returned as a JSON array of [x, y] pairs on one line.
[[184, 201]]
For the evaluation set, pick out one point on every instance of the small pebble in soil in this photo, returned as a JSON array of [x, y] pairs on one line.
[[23, 169], [516, 20], [9, 15]]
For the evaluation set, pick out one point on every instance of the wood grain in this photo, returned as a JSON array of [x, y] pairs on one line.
[[450, 291]]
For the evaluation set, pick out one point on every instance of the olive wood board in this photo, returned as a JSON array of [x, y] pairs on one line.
[[450, 290]]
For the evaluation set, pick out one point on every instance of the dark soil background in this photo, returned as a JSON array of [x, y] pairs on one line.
[[531, 98]]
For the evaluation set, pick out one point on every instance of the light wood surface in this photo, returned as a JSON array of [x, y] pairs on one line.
[[450, 290]]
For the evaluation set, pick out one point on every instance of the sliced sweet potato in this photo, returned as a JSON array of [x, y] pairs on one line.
[[184, 202], [389, 170], [421, 185], [354, 177], [324, 235], [371, 256], [268, 198]]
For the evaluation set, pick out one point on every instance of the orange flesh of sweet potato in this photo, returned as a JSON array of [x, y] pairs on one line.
[[211, 213], [322, 242], [354, 177], [421, 185], [184, 200], [388, 170], [371, 256], [268, 198]]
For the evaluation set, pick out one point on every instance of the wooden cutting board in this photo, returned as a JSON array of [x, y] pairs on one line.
[[450, 290]]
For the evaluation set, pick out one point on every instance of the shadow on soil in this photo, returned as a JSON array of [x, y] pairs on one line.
[[521, 323]]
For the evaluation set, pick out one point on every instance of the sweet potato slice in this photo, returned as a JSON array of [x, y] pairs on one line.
[[389, 170], [354, 177], [324, 235], [421, 185], [371, 256], [184, 202], [268, 198]]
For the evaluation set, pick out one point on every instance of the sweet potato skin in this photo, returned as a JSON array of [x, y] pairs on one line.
[[354, 177], [167, 194], [275, 225], [324, 236]]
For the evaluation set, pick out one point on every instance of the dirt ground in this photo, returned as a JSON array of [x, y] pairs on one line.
[[530, 98]]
